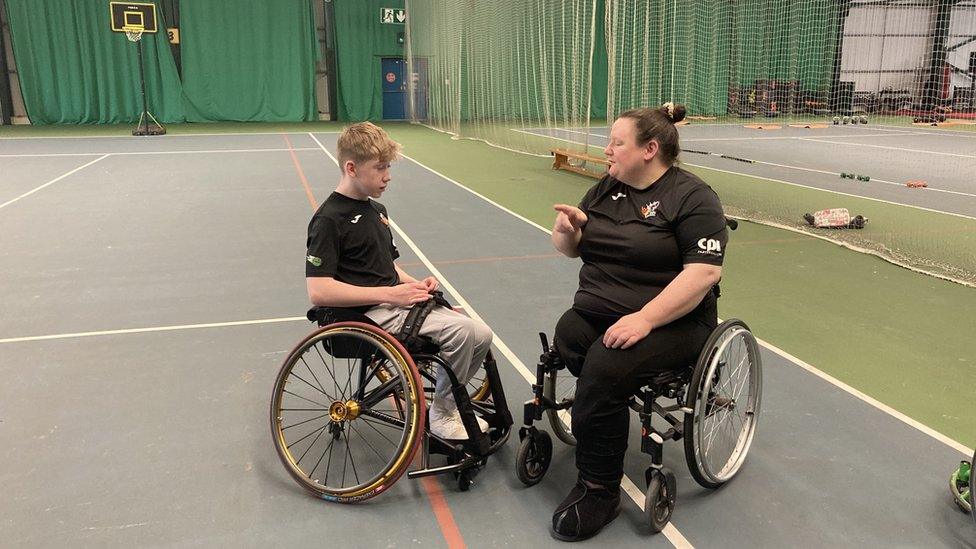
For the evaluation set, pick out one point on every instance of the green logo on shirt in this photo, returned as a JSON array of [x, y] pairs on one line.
[[317, 261]]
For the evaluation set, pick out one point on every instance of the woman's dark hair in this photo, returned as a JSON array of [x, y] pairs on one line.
[[658, 124]]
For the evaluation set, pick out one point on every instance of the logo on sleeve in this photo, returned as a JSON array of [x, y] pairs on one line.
[[384, 219], [317, 261], [356, 219], [650, 209], [709, 246]]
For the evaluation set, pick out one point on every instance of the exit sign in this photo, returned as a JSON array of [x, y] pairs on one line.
[[393, 16]]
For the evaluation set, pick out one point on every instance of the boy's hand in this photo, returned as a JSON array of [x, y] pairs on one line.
[[431, 284], [569, 219], [408, 293]]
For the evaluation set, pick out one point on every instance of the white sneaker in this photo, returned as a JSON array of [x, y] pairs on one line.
[[447, 423]]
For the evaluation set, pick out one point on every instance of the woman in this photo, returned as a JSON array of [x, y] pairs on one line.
[[652, 239]]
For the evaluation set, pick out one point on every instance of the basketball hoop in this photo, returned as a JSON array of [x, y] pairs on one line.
[[136, 19], [134, 34]]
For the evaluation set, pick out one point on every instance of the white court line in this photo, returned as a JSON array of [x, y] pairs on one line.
[[880, 406], [873, 402], [670, 532], [302, 132], [152, 329], [55, 180], [804, 186], [931, 131], [128, 153], [754, 138], [796, 137], [888, 147]]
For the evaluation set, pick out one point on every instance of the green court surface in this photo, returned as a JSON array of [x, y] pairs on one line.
[[900, 337]]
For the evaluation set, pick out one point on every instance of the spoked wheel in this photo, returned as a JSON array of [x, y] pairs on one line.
[[347, 413], [533, 457], [659, 498], [557, 388], [724, 395]]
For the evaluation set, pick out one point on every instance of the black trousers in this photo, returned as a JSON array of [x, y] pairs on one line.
[[607, 378]]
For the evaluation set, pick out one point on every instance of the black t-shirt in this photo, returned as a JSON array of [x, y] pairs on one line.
[[635, 242], [350, 240]]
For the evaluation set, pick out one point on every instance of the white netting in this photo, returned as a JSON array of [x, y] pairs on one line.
[[504, 70], [532, 76], [134, 35]]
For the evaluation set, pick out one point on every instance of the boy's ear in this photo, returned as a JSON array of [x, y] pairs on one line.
[[349, 167]]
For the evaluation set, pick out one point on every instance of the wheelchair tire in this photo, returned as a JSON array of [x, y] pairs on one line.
[[533, 457], [972, 488], [557, 388], [724, 396], [347, 412], [659, 499]]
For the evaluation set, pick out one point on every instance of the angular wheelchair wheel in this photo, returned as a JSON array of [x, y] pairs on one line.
[[558, 388], [724, 395], [347, 412]]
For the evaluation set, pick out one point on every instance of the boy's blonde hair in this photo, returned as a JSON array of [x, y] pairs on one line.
[[366, 141]]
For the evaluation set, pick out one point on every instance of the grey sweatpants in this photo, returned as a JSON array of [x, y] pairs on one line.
[[464, 341]]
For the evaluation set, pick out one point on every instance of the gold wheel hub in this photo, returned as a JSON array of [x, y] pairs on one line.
[[344, 411]]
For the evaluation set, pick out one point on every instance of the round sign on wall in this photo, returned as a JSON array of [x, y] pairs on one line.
[[390, 77]]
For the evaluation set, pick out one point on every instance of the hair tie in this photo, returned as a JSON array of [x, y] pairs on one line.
[[670, 107]]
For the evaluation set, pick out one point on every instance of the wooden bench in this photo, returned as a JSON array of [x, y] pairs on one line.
[[561, 161]]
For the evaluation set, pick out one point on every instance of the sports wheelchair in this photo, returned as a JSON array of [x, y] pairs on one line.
[[348, 412], [716, 405]]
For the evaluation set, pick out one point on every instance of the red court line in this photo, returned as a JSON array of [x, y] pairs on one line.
[[301, 174], [445, 519], [452, 535]]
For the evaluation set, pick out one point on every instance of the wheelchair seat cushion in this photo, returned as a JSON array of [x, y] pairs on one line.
[[329, 315]]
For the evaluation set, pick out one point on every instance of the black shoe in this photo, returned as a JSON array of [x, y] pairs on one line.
[[585, 511], [808, 218]]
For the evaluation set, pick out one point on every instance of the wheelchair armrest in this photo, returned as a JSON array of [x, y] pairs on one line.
[[329, 315]]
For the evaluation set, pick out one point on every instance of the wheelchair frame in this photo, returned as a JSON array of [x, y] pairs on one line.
[[696, 399], [394, 369]]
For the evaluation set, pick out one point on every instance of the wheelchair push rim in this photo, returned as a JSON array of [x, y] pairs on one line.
[[558, 388], [347, 412], [725, 396]]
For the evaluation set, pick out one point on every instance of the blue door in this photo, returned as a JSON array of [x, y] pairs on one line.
[[394, 89]]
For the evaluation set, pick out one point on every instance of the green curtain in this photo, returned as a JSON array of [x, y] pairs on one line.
[[361, 43], [249, 61], [74, 70]]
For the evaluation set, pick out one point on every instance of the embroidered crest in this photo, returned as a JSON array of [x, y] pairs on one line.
[[650, 210]]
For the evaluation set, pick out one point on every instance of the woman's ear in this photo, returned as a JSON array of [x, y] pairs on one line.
[[651, 149]]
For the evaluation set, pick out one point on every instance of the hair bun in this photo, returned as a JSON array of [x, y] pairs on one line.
[[674, 112]]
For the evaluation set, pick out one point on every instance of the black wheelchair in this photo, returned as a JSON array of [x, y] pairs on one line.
[[348, 412], [716, 405]]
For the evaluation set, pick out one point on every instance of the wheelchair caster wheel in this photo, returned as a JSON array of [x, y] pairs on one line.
[[533, 457], [659, 499], [464, 482]]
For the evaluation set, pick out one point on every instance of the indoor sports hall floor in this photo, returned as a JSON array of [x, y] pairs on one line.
[[152, 287]]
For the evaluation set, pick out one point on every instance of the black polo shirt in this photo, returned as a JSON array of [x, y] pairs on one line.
[[350, 240], [635, 242]]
